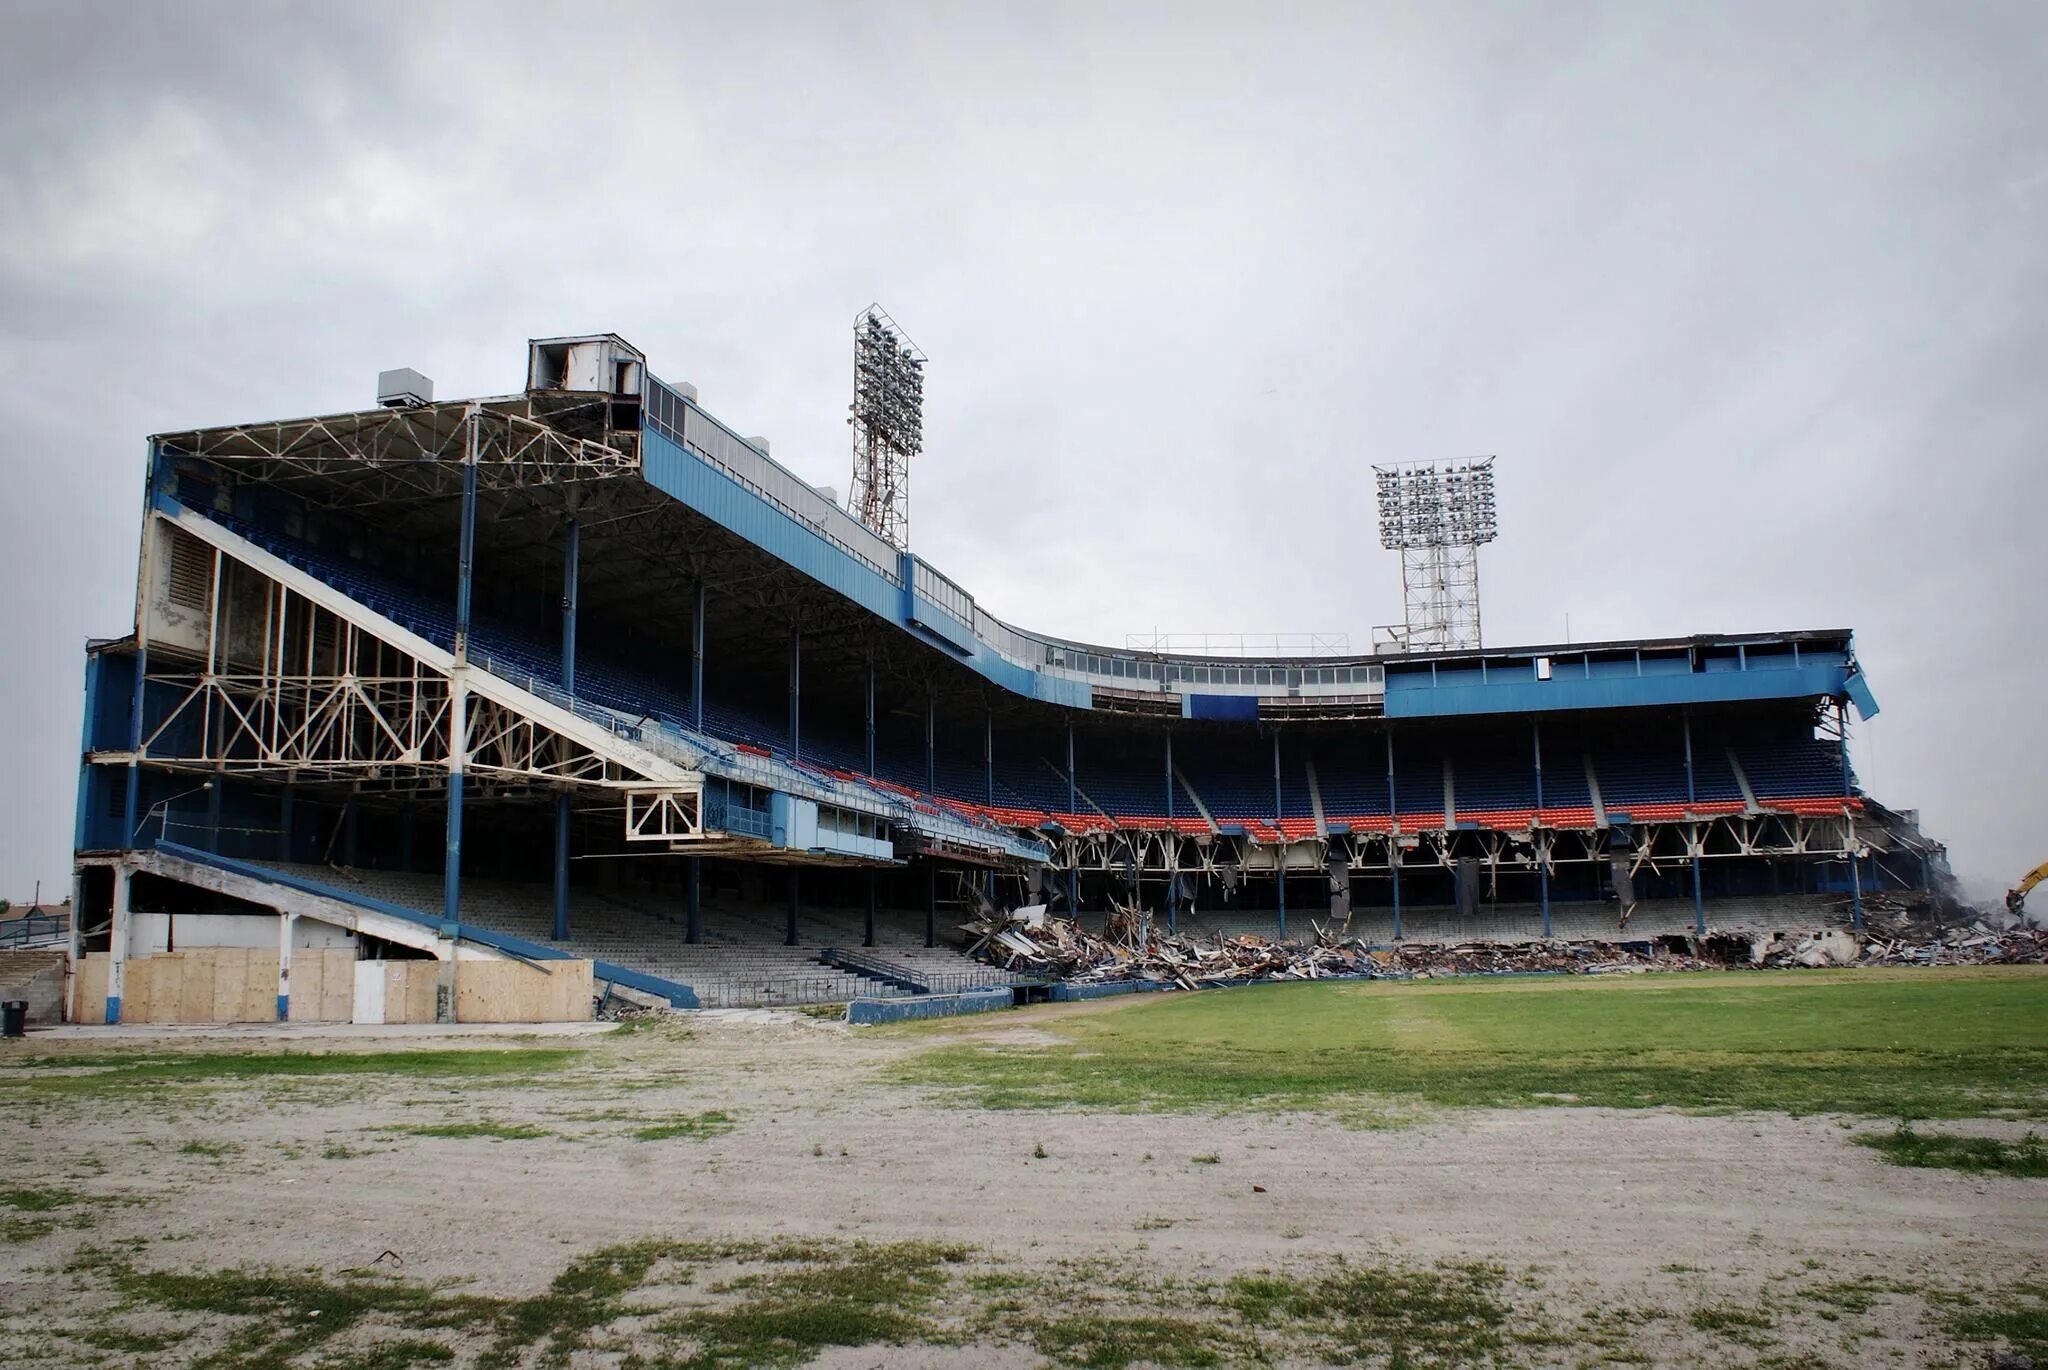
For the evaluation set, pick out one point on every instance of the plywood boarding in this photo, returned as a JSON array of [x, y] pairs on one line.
[[89, 988], [410, 991], [323, 985], [203, 985], [515, 992]]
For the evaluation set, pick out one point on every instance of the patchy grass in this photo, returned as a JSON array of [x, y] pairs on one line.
[[1946, 1151], [1448, 1312], [39, 1200], [1732, 1322], [1917, 1044], [484, 1127], [60, 1074], [1106, 1340], [698, 1127], [2016, 1316], [795, 1308], [213, 1151]]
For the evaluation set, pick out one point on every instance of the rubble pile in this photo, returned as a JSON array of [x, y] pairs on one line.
[[1029, 941]]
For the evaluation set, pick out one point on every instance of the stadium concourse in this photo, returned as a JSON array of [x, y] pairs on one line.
[[580, 675]]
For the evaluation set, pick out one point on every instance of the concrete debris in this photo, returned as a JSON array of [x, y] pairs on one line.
[[1136, 950]]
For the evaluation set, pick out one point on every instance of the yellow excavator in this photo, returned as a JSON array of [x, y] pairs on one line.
[[2016, 897]]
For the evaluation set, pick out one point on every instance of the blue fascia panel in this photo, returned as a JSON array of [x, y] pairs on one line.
[[1227, 708], [1416, 698], [1858, 690]]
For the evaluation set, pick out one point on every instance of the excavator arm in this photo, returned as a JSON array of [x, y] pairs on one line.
[[2016, 897]]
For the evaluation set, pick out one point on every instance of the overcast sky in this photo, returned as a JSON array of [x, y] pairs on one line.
[[1749, 299]]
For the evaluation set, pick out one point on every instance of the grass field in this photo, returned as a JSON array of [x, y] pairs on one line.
[[1913, 1044]]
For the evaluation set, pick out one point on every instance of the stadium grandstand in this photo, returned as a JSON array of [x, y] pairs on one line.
[[581, 672]]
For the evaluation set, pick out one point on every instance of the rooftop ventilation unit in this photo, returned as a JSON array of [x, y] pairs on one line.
[[403, 388]]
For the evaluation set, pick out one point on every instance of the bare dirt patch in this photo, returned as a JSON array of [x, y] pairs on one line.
[[1646, 1233]]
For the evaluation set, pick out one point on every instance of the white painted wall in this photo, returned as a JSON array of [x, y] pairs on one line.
[[152, 934]]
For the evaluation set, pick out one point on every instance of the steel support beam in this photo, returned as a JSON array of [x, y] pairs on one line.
[[697, 659], [693, 906], [796, 658], [1699, 906], [1543, 853], [1393, 835], [458, 690]]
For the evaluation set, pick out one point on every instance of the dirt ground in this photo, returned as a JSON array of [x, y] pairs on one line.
[[1589, 1211]]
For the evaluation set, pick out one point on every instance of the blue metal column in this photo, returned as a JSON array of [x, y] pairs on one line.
[[1073, 869], [1699, 908], [693, 908], [795, 893], [988, 757], [451, 858], [697, 660], [871, 716], [1169, 775], [931, 741], [1542, 868], [1855, 878], [1393, 846], [1280, 860], [796, 657], [571, 569]]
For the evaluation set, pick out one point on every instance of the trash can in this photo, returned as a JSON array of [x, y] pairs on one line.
[[14, 1018]]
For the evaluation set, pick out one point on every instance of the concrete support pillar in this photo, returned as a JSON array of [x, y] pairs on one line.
[[444, 977], [117, 942], [287, 927]]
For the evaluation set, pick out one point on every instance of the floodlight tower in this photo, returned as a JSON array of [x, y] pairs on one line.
[[1437, 516], [887, 415]]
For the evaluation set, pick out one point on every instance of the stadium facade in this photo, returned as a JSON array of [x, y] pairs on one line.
[[582, 671]]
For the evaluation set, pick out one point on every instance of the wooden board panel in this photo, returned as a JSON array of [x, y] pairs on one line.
[[89, 988], [337, 984], [259, 986], [419, 992], [230, 982], [195, 1000], [514, 992], [304, 986]]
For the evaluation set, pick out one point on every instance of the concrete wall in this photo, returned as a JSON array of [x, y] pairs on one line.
[[37, 978]]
